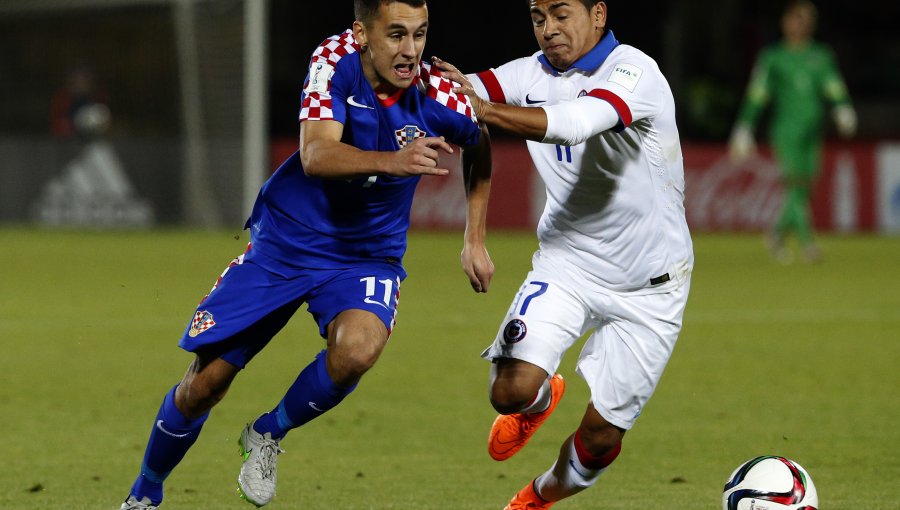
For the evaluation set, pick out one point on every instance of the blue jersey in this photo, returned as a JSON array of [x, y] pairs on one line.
[[332, 223]]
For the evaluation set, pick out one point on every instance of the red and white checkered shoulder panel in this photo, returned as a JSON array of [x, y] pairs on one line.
[[335, 47], [435, 86], [317, 105]]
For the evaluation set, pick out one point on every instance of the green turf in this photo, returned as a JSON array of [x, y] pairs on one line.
[[800, 361]]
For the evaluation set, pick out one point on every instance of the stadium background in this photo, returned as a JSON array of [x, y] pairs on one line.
[[179, 121], [795, 360]]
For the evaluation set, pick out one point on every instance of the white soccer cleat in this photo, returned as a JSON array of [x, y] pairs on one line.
[[256, 482], [133, 504]]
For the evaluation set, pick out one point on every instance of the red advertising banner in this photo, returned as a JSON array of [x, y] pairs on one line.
[[719, 195], [723, 196], [440, 202], [845, 194]]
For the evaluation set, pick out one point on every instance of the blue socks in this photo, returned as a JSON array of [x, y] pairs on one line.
[[172, 435], [309, 397]]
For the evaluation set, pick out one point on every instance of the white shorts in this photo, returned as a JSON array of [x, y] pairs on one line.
[[622, 359]]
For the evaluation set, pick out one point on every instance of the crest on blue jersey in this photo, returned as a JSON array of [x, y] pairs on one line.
[[407, 134], [203, 320]]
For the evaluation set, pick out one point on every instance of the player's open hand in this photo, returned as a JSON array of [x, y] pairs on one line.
[[420, 157], [463, 85], [477, 264]]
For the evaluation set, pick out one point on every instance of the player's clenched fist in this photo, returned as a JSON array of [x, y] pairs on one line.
[[420, 157]]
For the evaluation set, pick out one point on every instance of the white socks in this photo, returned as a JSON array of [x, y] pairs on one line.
[[569, 475], [541, 401]]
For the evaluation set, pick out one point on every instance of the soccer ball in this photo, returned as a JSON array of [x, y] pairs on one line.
[[770, 483]]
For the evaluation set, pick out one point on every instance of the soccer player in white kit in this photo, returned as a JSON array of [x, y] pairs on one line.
[[615, 254]]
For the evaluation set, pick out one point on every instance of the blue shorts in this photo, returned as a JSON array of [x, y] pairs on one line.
[[255, 297]]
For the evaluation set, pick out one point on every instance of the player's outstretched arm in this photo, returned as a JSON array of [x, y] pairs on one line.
[[567, 123], [324, 155], [476, 166], [530, 123]]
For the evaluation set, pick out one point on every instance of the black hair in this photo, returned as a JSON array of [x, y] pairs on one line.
[[588, 4], [366, 10], [794, 4]]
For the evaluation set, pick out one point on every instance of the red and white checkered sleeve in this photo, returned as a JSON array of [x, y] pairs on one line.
[[317, 101], [440, 89]]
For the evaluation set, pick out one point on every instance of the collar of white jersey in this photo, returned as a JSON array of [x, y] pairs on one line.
[[592, 60]]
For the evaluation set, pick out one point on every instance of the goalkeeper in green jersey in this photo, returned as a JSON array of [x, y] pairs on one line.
[[798, 76]]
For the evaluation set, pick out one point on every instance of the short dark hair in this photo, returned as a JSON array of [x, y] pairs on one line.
[[794, 4], [589, 4], [365, 10]]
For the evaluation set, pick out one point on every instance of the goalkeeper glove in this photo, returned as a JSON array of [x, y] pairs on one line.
[[845, 119], [741, 144]]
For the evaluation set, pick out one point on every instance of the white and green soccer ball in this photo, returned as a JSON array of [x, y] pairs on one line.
[[770, 483]]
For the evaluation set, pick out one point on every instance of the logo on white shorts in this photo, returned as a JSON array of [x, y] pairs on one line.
[[514, 331]]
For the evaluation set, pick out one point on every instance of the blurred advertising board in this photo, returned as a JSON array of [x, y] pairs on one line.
[[858, 189]]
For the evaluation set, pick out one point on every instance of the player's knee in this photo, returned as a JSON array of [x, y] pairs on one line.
[[351, 359], [359, 361], [509, 398], [601, 440], [199, 396]]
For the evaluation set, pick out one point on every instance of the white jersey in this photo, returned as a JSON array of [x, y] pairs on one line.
[[615, 203]]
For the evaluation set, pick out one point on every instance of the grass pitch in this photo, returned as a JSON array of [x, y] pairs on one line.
[[799, 361]]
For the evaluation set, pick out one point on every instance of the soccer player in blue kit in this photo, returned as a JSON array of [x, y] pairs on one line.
[[328, 229]]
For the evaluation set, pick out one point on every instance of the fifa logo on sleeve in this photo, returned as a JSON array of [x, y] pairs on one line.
[[203, 320], [407, 134], [626, 75], [320, 74]]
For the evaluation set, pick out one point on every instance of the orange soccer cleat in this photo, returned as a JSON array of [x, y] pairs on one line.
[[510, 432], [528, 499]]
